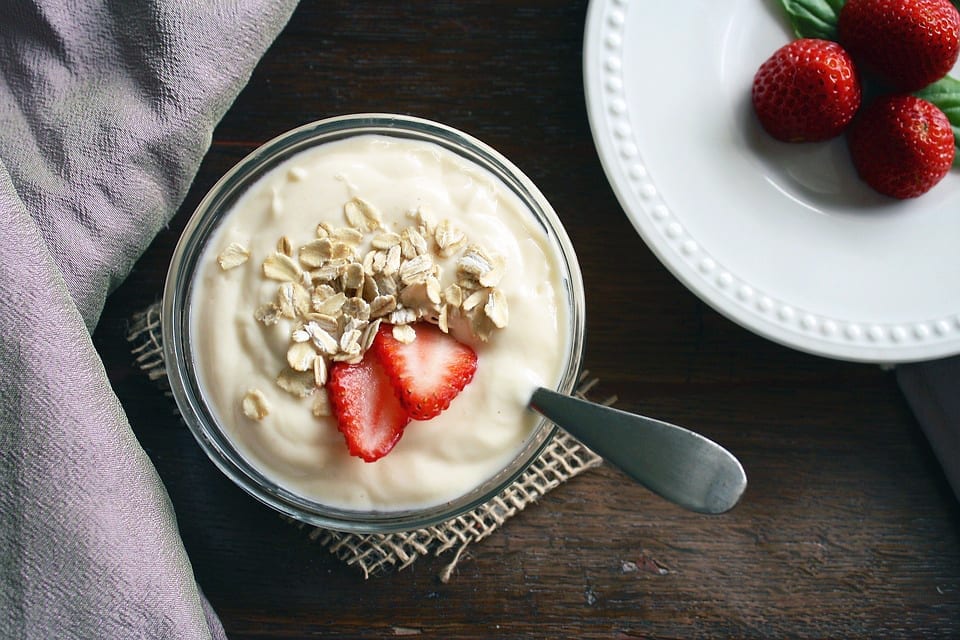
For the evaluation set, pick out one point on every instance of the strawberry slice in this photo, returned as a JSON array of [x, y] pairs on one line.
[[368, 413], [427, 373]]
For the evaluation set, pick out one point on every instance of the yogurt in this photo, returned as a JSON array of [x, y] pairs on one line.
[[237, 353]]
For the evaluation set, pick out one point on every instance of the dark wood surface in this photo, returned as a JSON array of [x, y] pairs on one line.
[[848, 528]]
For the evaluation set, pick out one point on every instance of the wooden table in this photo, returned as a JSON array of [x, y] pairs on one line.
[[848, 528]]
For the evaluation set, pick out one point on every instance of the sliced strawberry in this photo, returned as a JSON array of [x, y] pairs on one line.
[[427, 373], [368, 413]]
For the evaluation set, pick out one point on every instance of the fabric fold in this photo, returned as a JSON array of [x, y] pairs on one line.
[[106, 110]]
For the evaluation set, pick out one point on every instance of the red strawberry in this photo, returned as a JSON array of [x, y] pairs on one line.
[[907, 43], [806, 91], [901, 145], [368, 413], [427, 373]]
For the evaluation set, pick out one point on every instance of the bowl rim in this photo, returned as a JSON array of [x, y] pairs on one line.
[[175, 317]]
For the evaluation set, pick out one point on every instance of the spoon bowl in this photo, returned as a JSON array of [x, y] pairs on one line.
[[679, 465]]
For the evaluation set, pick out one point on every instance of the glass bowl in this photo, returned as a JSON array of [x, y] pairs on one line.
[[177, 338]]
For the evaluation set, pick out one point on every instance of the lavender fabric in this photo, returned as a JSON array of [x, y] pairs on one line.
[[106, 109], [931, 390]]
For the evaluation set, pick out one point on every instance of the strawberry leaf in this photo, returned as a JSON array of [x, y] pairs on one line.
[[813, 18], [945, 93]]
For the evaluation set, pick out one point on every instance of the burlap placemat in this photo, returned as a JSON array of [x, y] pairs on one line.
[[563, 458]]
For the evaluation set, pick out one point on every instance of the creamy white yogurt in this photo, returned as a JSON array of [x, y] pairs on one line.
[[436, 460]]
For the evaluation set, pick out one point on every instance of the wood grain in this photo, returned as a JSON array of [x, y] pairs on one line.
[[848, 528]]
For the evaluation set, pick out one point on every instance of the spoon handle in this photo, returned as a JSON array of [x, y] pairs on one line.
[[676, 463]]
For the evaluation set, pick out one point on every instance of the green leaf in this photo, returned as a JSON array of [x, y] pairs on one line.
[[813, 18], [945, 93]]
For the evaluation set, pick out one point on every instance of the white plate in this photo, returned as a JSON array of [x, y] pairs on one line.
[[783, 239]]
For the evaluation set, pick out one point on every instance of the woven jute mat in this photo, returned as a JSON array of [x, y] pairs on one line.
[[374, 554]]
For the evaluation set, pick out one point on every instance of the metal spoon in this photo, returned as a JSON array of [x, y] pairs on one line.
[[676, 463]]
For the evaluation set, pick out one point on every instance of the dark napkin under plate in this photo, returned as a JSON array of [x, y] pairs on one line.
[[933, 391]]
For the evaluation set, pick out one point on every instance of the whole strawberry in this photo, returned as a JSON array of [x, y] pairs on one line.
[[901, 145], [907, 43], [806, 91]]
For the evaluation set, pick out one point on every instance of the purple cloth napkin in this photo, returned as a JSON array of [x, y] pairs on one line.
[[106, 109], [931, 389]]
